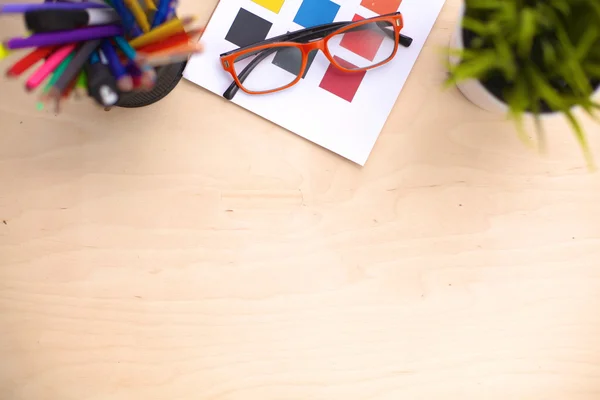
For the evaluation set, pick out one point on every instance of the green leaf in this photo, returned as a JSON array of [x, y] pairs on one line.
[[562, 6], [592, 70], [527, 31], [545, 91], [476, 26], [549, 54], [474, 68], [505, 58], [570, 62], [589, 39], [580, 136], [541, 133]]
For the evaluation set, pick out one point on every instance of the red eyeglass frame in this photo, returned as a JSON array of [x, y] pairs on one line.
[[228, 59]]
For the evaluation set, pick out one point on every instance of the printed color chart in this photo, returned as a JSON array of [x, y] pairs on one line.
[[347, 110]]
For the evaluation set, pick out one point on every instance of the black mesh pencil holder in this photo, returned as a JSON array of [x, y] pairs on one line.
[[167, 78]]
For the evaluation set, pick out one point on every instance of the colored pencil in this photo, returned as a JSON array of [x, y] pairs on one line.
[[187, 48], [70, 74], [161, 32], [4, 52], [172, 9], [50, 65], [40, 21], [80, 1], [28, 61], [69, 89], [58, 72], [139, 14], [150, 5], [55, 38], [147, 72], [125, 47], [127, 18], [171, 57], [102, 47], [176, 40], [94, 57], [21, 8], [137, 82], [162, 11], [141, 79], [124, 82], [81, 86], [72, 70], [136, 74]]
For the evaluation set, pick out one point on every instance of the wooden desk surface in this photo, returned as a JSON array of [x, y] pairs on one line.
[[162, 253]]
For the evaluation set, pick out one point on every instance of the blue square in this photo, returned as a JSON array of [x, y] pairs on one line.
[[316, 12]]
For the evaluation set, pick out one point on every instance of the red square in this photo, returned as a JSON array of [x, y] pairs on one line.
[[364, 43], [340, 83], [381, 6]]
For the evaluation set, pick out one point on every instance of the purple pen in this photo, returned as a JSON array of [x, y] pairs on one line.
[[56, 38], [21, 8]]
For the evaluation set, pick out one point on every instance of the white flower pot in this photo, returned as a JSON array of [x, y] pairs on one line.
[[472, 89]]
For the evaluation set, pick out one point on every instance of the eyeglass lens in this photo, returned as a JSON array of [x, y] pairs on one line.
[[264, 74], [369, 44]]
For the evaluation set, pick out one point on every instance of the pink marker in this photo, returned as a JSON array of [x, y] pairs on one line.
[[50, 65]]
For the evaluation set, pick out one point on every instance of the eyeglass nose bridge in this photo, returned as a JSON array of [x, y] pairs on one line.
[[308, 48]]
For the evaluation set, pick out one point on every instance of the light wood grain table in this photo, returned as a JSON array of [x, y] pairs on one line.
[[192, 250]]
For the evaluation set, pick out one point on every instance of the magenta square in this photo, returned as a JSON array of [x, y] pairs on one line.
[[340, 83]]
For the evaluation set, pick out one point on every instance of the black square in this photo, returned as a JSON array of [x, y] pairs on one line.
[[247, 29], [288, 60]]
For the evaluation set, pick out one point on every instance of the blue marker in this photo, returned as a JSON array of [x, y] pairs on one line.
[[124, 81]]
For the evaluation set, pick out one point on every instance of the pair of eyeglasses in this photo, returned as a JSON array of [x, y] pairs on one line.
[[375, 39]]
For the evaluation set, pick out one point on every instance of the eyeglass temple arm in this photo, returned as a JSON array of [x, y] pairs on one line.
[[231, 91]]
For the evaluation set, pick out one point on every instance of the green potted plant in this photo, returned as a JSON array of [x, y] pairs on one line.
[[529, 57]]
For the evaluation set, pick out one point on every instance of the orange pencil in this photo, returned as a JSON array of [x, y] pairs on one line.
[[182, 49], [162, 32], [175, 40], [169, 57]]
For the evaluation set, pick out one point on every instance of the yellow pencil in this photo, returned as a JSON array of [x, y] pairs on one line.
[[161, 32], [4, 52], [139, 14], [150, 5]]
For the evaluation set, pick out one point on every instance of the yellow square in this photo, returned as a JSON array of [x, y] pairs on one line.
[[273, 5]]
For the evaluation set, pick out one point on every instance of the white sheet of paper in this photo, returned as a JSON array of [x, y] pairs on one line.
[[349, 129]]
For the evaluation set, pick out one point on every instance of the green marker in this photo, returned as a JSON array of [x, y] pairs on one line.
[[58, 72], [81, 85], [82, 80]]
